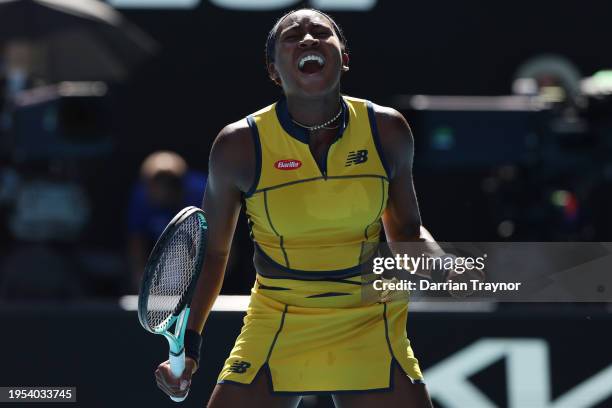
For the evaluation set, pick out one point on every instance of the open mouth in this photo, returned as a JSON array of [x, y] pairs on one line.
[[311, 63]]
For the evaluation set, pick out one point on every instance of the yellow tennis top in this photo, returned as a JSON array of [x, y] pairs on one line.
[[311, 325], [308, 221]]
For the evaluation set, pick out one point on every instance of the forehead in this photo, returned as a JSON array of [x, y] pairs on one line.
[[303, 17]]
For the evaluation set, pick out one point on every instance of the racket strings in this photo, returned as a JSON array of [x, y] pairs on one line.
[[173, 273]]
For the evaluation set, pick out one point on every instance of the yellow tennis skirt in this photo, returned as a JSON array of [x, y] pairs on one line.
[[314, 349]]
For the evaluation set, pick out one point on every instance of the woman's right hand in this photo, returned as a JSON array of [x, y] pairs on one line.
[[172, 386]]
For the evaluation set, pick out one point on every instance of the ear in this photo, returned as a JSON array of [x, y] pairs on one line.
[[273, 74], [345, 62]]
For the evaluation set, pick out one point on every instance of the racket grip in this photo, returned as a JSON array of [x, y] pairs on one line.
[[177, 366]]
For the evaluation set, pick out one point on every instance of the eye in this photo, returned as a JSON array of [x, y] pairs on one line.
[[322, 34], [291, 36]]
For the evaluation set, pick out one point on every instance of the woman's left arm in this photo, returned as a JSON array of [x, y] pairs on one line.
[[402, 219]]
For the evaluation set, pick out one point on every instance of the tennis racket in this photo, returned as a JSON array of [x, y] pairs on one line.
[[169, 279]]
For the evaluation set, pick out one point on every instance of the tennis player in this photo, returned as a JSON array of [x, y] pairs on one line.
[[320, 173]]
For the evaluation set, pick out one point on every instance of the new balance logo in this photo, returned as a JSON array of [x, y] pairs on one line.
[[356, 157], [239, 367]]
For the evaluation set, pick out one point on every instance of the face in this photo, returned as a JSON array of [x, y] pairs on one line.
[[309, 58], [18, 55], [165, 190]]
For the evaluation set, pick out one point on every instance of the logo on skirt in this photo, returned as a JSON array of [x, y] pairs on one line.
[[239, 367]]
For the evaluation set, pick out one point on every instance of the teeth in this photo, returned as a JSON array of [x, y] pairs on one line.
[[311, 57]]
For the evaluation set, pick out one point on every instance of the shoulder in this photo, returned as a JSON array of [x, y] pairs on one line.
[[395, 136], [231, 137], [391, 122], [232, 154]]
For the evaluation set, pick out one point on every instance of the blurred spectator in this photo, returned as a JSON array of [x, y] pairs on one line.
[[166, 185], [19, 70], [16, 72]]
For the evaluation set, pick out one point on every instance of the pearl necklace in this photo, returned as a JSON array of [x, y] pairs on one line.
[[322, 125]]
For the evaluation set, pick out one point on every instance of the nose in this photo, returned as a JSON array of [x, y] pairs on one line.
[[308, 41]]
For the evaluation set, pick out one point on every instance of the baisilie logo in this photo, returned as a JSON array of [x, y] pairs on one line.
[[288, 164]]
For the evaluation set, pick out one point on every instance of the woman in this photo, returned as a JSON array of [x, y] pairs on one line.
[[318, 172]]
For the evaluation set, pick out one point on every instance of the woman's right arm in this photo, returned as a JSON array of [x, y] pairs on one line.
[[230, 172]]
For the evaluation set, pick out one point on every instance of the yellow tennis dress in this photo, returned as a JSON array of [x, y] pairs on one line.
[[308, 325]]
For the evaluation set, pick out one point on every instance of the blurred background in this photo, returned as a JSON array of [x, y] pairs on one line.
[[107, 115]]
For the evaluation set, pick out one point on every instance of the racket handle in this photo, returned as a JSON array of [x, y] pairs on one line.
[[177, 366]]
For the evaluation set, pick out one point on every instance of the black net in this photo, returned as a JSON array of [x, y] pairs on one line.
[[174, 271]]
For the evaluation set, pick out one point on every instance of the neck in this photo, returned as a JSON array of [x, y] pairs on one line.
[[314, 111]]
